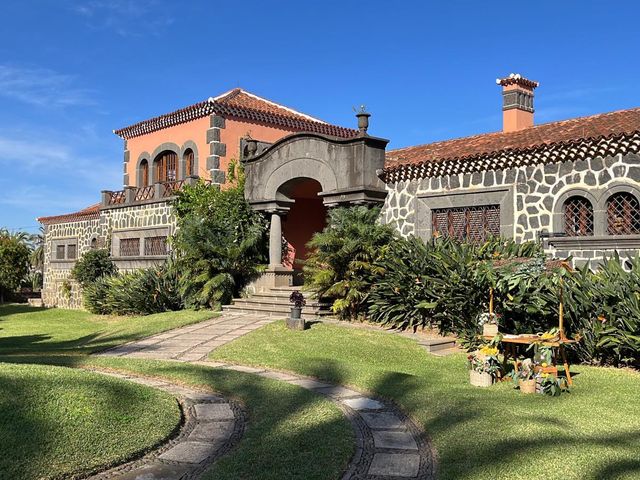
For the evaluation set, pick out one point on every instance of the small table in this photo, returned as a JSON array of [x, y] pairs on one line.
[[512, 342]]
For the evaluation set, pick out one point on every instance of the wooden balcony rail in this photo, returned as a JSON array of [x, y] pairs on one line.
[[170, 188], [116, 197], [145, 193], [158, 192]]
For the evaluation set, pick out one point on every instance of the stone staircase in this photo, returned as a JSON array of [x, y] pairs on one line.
[[275, 303]]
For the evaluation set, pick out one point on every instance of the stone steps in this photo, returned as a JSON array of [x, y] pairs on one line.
[[433, 345], [280, 311], [275, 303]]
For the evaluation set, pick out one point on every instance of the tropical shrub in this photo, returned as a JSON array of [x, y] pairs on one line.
[[343, 264], [93, 265], [140, 292], [14, 261], [220, 244]]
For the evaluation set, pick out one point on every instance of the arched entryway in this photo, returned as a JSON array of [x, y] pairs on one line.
[[306, 216]]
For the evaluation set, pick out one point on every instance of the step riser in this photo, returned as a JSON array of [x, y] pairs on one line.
[[250, 302], [439, 346], [274, 313]]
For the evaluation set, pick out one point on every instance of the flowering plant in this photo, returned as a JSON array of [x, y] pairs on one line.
[[488, 318], [485, 360]]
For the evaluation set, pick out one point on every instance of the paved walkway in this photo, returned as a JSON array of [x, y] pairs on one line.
[[193, 342]]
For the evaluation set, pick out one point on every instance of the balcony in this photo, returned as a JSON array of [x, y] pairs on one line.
[[158, 192]]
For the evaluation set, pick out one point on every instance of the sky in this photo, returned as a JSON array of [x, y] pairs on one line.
[[73, 71]]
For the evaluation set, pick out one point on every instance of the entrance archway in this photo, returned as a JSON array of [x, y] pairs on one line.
[[307, 215]]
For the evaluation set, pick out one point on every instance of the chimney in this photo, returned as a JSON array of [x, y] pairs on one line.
[[517, 102]]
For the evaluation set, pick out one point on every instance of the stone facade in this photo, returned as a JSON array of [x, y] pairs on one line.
[[105, 229], [531, 200]]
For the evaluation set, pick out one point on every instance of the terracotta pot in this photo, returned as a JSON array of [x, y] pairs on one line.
[[489, 329], [478, 379], [527, 386]]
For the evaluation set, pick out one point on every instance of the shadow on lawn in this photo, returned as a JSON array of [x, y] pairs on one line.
[[91, 343]]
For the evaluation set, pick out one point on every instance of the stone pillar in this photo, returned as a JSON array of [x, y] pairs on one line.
[[275, 241]]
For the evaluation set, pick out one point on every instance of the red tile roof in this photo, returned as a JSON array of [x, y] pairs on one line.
[[596, 126], [242, 104], [88, 213]]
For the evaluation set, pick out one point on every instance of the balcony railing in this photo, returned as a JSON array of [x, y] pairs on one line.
[[157, 192]]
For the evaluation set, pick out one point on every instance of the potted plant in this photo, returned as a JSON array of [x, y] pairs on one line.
[[295, 321], [484, 366], [489, 323], [525, 376]]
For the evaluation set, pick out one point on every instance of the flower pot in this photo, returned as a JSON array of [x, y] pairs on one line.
[[490, 329], [527, 386], [479, 379], [296, 312]]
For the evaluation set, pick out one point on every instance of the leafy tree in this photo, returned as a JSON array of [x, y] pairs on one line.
[[343, 262], [220, 243], [14, 261], [93, 265]]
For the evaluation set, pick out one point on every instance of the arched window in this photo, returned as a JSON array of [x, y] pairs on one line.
[[623, 214], [144, 174], [578, 217], [165, 165], [188, 162]]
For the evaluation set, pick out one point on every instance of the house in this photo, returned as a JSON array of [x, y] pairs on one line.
[[573, 184]]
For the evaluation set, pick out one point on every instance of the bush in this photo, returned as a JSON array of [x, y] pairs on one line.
[[220, 244], [94, 264], [141, 292], [14, 261], [343, 262]]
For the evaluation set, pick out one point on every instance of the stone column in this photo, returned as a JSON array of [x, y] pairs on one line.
[[275, 241]]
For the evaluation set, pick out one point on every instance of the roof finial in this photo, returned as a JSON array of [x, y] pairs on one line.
[[363, 119]]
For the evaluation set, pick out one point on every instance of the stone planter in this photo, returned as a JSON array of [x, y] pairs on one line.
[[490, 329], [527, 386], [295, 321], [478, 379]]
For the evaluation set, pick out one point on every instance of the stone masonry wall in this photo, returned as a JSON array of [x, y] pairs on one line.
[[139, 220], [531, 200]]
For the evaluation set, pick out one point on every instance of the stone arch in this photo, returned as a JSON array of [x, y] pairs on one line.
[[166, 146], [300, 168], [612, 189], [182, 166], [558, 209], [140, 181]]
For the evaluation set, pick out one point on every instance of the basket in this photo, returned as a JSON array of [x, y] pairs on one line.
[[527, 386], [478, 379], [490, 329]]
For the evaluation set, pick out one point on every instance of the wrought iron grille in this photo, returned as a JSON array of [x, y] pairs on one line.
[[72, 252], [145, 193], [623, 214], [155, 246], [129, 247], [578, 217], [60, 249], [475, 224]]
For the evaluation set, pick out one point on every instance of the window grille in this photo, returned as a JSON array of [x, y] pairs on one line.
[[72, 252], [475, 224], [60, 249], [623, 214], [155, 246], [578, 217], [129, 247]]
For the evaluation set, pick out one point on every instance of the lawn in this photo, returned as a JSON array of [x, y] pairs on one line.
[[591, 433], [26, 329], [59, 422]]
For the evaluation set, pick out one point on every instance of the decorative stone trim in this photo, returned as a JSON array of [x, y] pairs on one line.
[[139, 180], [211, 427], [217, 149], [182, 167]]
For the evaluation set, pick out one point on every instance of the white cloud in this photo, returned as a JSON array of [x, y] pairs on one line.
[[42, 87]]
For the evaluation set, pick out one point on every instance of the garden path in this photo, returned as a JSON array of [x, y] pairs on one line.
[[389, 445]]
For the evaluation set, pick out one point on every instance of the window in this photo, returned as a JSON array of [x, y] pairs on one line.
[[623, 214], [578, 217], [165, 165], [129, 247], [188, 162], [94, 243], [467, 223], [72, 252], [60, 249], [144, 174], [155, 246]]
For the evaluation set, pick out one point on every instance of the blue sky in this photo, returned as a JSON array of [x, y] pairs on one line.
[[72, 71]]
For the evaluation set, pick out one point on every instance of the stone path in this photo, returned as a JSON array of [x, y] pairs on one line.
[[211, 427], [389, 444], [193, 342]]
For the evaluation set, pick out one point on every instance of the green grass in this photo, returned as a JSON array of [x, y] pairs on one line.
[[26, 329], [591, 433], [59, 423]]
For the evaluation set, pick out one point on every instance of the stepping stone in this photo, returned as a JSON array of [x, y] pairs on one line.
[[217, 432], [150, 382], [213, 411], [156, 471], [337, 391], [242, 368], [398, 440], [308, 383], [199, 397], [395, 465], [188, 452], [279, 376], [382, 421], [363, 403]]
